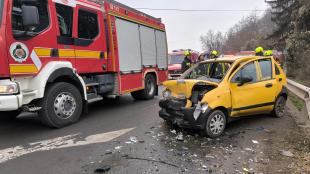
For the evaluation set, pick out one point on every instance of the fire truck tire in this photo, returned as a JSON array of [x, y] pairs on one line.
[[9, 115], [149, 91], [61, 106]]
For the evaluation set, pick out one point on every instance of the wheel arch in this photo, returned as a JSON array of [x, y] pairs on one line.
[[151, 72], [284, 93], [58, 71], [66, 74]]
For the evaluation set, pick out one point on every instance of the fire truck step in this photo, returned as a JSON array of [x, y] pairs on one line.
[[92, 84], [93, 98]]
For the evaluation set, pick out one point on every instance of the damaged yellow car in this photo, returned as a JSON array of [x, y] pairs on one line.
[[214, 92]]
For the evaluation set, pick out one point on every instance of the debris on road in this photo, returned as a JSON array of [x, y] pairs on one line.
[[286, 153], [180, 137], [151, 160], [118, 147], [173, 131], [133, 139], [255, 142], [103, 169]]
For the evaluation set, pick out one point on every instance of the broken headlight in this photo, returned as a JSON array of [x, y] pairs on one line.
[[166, 94]]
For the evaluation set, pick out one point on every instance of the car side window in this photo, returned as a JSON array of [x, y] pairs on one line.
[[266, 68], [65, 18], [88, 25], [277, 70], [248, 70], [17, 19]]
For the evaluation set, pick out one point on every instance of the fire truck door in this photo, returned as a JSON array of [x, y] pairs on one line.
[[29, 46], [90, 46], [65, 40]]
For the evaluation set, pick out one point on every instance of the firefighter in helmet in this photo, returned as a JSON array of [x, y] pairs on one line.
[[187, 62], [268, 53], [214, 54], [259, 51]]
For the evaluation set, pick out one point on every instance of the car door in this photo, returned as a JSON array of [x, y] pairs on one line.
[[252, 97]]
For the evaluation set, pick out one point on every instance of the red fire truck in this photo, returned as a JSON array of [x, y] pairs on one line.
[[59, 55]]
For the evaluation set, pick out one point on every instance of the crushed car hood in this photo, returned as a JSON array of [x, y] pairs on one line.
[[185, 86]]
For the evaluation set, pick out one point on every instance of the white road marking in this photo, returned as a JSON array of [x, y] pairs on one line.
[[59, 143]]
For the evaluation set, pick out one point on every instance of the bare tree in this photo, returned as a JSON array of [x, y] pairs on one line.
[[212, 41]]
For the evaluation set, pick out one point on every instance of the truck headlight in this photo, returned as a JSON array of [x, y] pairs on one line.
[[9, 88], [166, 94]]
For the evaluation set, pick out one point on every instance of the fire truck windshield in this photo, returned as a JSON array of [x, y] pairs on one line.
[[1, 9], [176, 59]]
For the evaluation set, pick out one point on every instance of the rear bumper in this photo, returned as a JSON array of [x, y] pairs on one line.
[[171, 110], [10, 102]]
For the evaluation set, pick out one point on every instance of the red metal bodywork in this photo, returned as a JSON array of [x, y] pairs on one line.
[[47, 39]]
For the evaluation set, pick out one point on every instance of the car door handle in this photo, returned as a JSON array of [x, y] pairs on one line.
[[268, 85]]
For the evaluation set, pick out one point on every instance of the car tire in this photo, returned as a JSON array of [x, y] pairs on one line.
[[215, 124], [279, 107], [61, 106], [149, 91], [9, 115]]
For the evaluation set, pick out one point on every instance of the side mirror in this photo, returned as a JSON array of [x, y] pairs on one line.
[[244, 80], [30, 16]]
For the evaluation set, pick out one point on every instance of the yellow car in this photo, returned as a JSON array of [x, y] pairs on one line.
[[214, 92]]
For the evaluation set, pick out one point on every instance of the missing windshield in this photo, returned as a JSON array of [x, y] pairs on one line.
[[212, 71]]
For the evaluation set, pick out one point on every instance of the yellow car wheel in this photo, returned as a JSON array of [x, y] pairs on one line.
[[215, 124]]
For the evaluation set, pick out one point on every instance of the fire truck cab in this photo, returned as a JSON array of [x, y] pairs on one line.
[[59, 55]]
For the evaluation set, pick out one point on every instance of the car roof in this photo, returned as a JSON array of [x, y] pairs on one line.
[[234, 59]]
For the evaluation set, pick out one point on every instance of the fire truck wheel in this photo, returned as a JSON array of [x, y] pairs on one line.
[[149, 91], [61, 106], [9, 115]]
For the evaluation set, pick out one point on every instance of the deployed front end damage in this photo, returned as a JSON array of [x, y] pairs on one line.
[[186, 109]]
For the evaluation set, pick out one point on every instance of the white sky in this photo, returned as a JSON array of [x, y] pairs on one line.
[[185, 28]]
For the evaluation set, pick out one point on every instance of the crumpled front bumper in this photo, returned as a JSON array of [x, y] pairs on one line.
[[174, 110]]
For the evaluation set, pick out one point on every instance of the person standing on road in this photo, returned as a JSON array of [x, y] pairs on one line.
[[187, 62], [259, 51], [214, 54], [201, 57]]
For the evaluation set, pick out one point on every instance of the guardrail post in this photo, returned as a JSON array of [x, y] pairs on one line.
[[307, 101]]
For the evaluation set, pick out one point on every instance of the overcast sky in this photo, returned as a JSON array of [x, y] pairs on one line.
[[185, 28]]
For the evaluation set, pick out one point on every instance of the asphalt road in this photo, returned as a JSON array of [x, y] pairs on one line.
[[127, 136]]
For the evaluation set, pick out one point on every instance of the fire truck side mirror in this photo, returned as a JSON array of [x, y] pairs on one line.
[[30, 16]]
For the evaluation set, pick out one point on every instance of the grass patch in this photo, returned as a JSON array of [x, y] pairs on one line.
[[297, 102]]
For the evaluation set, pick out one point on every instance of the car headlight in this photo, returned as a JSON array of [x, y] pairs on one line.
[[166, 93], [11, 88], [204, 107]]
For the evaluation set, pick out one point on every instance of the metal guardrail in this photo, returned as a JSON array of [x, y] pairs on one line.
[[301, 91]]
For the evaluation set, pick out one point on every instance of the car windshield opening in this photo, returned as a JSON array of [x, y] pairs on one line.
[[176, 59], [211, 71]]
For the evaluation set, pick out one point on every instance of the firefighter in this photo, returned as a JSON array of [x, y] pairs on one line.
[[187, 62], [201, 57], [268, 53], [259, 51], [214, 54]]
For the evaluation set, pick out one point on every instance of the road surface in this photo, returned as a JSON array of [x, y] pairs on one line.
[[127, 136]]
